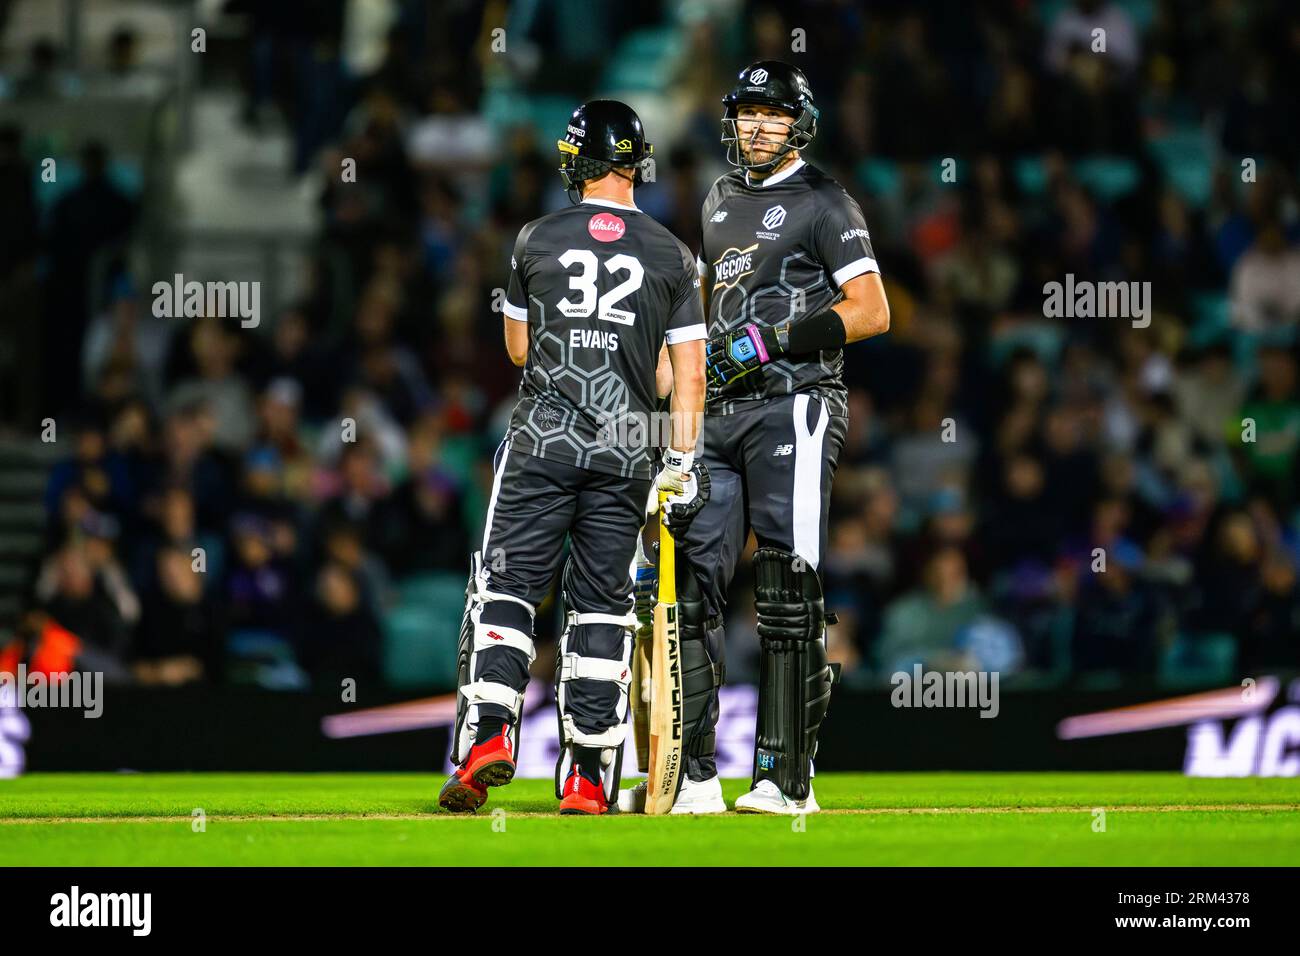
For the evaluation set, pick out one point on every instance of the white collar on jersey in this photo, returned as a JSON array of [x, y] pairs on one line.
[[611, 204], [784, 174]]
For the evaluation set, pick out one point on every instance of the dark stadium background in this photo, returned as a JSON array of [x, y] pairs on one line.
[[328, 560]]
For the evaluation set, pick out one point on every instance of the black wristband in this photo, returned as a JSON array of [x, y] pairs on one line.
[[825, 330], [775, 340]]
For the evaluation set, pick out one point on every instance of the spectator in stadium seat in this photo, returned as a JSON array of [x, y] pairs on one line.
[[260, 587], [344, 544], [218, 385], [190, 462], [298, 356], [1273, 637], [393, 375], [93, 216], [1274, 409], [263, 494], [94, 603], [122, 75], [923, 462], [42, 78], [948, 521], [360, 489], [179, 637], [18, 227], [1020, 519], [428, 528], [101, 476], [1208, 393], [1074, 27], [1264, 290], [1231, 585], [922, 625], [169, 522], [1120, 621], [343, 638], [374, 428], [127, 333], [279, 430]]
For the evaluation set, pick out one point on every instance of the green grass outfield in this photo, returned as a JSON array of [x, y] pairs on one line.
[[917, 819]]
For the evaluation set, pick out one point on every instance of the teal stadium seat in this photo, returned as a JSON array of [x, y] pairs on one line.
[[420, 632], [1045, 337], [1031, 175], [645, 61], [1143, 12], [1108, 177], [880, 177], [507, 107], [1209, 318], [1184, 156], [1198, 660]]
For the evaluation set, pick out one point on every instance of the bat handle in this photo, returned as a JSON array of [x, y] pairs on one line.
[[667, 559]]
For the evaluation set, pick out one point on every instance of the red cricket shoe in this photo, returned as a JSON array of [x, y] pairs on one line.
[[462, 793], [492, 763], [581, 796]]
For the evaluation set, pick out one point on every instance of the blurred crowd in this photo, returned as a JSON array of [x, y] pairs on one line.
[[1057, 497]]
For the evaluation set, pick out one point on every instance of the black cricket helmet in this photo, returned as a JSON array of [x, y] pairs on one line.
[[770, 83], [601, 135]]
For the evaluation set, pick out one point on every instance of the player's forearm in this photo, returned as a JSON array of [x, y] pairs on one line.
[[862, 320], [688, 410], [663, 374], [687, 405], [864, 310], [517, 341]]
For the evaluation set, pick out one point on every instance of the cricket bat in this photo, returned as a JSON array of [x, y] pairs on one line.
[[666, 725]]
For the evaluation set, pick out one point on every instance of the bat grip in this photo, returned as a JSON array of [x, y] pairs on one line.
[[667, 559]]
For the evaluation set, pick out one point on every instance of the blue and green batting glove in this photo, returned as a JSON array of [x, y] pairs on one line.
[[736, 354], [645, 591]]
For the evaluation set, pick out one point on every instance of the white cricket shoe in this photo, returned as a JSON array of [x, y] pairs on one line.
[[768, 798], [702, 797], [695, 798]]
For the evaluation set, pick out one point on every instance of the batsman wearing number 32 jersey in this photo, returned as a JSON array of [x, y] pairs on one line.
[[789, 278], [596, 292]]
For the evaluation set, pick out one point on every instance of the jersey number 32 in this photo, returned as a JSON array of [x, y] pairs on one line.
[[591, 301]]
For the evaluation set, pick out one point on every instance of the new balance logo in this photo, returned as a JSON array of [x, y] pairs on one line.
[[718, 216], [782, 450]]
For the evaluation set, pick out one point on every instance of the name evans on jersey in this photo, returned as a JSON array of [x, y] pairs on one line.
[[593, 339]]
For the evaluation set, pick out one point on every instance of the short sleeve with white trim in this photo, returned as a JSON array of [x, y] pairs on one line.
[[515, 306]]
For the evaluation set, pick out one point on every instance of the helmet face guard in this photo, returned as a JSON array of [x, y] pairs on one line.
[[576, 169], [797, 136]]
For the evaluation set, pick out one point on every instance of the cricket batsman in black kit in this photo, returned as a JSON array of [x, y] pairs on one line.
[[596, 292], [789, 278]]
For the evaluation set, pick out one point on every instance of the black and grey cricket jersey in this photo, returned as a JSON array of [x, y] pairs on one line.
[[774, 251], [602, 286]]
